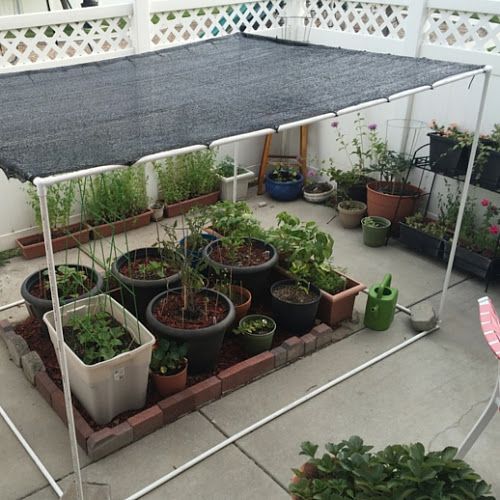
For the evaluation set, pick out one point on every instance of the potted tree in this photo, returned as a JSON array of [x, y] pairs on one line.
[[169, 367], [350, 469], [257, 333], [350, 213], [225, 169], [74, 281], [60, 201], [284, 183], [108, 353], [375, 231], [295, 304]]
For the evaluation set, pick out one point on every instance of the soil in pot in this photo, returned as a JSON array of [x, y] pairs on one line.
[[295, 305], [351, 213]]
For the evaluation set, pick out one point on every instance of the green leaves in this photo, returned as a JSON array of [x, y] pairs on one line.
[[399, 472], [168, 357]]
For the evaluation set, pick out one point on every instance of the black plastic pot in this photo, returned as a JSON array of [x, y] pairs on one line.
[[137, 293], [490, 176], [445, 158], [40, 306], [254, 278], [204, 343], [419, 241], [292, 316], [357, 192], [472, 262]]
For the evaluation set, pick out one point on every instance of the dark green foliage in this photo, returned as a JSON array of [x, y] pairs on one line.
[[168, 357]]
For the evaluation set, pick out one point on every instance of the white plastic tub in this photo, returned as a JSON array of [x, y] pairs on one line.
[[226, 185], [110, 387]]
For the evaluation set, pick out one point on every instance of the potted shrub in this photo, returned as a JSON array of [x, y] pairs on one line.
[[145, 272], [169, 367], [188, 180], [490, 174], [60, 200], [375, 231], [423, 235], [116, 201], [74, 281], [295, 304], [225, 169], [350, 469], [315, 189], [257, 333], [351, 212], [108, 353], [248, 261], [284, 183], [192, 314]]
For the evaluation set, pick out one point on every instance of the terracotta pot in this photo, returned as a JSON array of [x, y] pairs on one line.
[[242, 309], [351, 217], [31, 246], [167, 385], [183, 207], [386, 205], [120, 226]]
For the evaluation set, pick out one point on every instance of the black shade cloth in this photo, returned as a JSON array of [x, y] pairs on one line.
[[119, 110]]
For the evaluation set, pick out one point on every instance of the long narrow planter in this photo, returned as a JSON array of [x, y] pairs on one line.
[[419, 241], [445, 158], [182, 207], [472, 262], [105, 230], [31, 246], [337, 307], [490, 176]]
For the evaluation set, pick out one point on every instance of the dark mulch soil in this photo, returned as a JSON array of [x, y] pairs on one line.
[[41, 289], [231, 354], [135, 269], [295, 294], [317, 187], [243, 256]]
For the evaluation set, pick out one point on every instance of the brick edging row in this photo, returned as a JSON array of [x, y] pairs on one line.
[[98, 444]]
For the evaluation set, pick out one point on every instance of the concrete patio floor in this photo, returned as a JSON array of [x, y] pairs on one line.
[[432, 391]]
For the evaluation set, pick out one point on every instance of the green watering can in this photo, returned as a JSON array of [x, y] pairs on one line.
[[381, 305]]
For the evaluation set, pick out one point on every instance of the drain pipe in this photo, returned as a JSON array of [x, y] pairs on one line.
[[276, 414], [31, 453]]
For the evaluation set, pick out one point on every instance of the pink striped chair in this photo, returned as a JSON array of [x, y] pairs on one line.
[[490, 325]]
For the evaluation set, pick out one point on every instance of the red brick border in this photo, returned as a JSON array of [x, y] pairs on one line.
[[98, 444]]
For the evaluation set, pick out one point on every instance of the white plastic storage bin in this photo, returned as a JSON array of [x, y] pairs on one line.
[[226, 185], [114, 386]]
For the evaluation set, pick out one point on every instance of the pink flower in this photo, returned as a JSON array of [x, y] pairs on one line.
[[494, 229], [485, 202], [372, 126], [335, 124]]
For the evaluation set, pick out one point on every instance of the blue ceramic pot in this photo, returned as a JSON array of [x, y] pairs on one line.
[[285, 191]]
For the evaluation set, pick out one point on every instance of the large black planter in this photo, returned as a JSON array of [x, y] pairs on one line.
[[472, 262], [292, 316], [137, 293], [254, 278], [203, 343], [40, 306], [419, 241], [490, 176], [445, 158]]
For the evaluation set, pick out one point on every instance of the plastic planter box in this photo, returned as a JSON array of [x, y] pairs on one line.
[[419, 241], [242, 180], [445, 158], [111, 387]]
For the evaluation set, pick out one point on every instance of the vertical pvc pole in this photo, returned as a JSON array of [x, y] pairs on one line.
[[465, 192], [235, 171], [42, 195]]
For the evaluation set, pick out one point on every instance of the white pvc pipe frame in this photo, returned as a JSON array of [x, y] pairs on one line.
[[43, 183]]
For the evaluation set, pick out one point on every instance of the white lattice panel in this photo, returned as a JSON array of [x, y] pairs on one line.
[[463, 30], [69, 40], [368, 18], [190, 25]]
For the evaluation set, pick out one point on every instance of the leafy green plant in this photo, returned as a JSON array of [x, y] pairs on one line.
[[195, 221], [168, 357], [115, 195], [374, 222], [60, 200], [391, 167], [98, 337], [432, 228], [152, 268], [187, 176], [284, 173], [230, 218], [71, 282], [350, 470], [225, 168], [6, 255], [255, 326]]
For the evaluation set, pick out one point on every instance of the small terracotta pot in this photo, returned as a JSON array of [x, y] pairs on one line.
[[167, 385], [242, 309]]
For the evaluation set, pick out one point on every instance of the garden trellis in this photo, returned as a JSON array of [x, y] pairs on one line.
[[129, 111]]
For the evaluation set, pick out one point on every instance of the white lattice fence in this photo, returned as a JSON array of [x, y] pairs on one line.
[[33, 43], [186, 25], [365, 18]]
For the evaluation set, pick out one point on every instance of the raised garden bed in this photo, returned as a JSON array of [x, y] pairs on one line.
[[182, 207], [105, 230], [33, 246]]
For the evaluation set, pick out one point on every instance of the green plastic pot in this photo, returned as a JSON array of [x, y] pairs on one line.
[[255, 344], [375, 230]]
